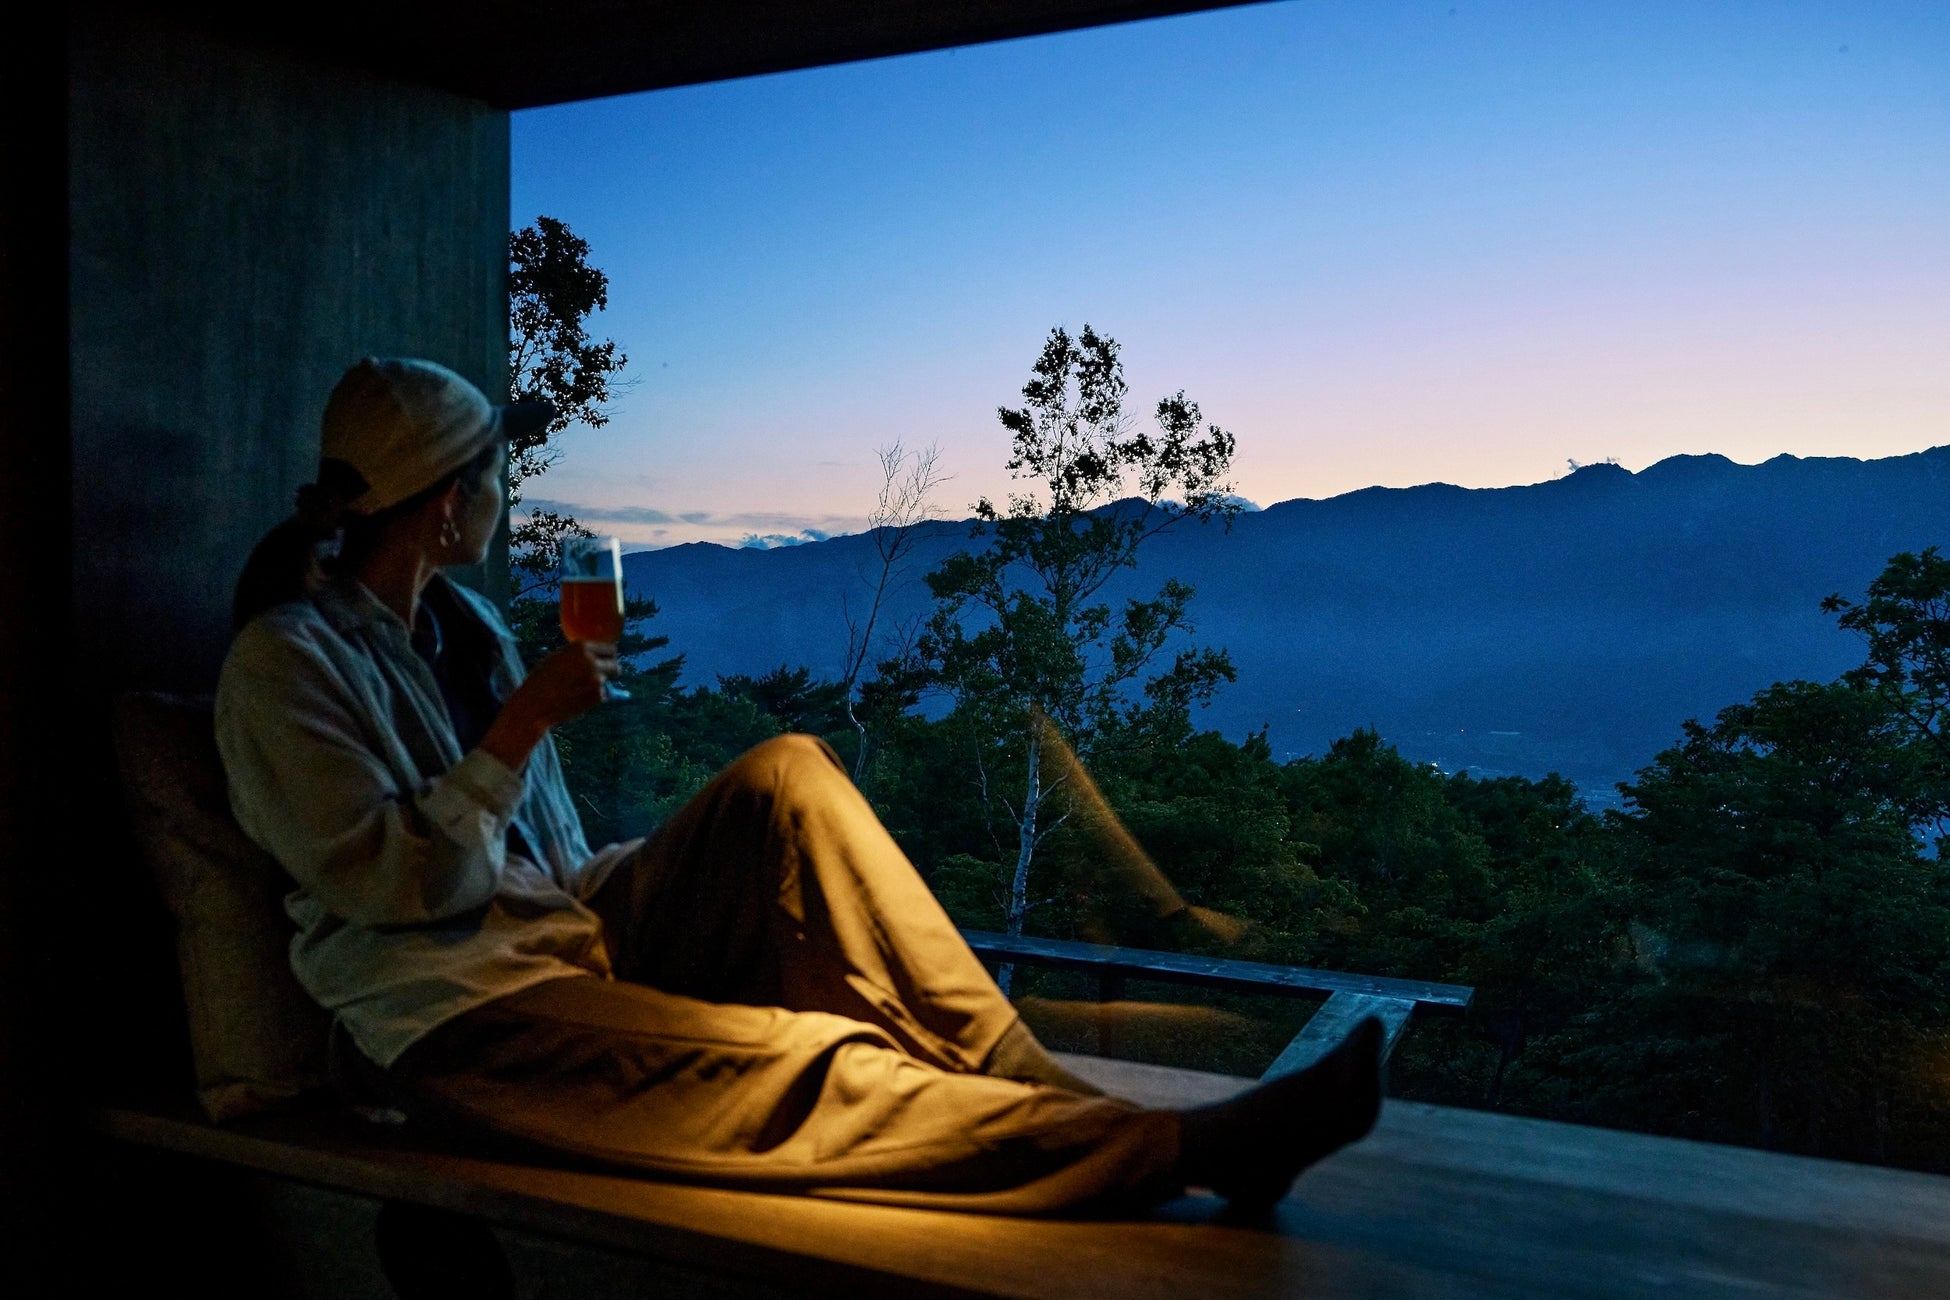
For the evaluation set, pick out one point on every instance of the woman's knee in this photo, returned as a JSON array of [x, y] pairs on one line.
[[786, 763]]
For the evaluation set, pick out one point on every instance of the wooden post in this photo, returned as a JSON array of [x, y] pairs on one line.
[[1337, 1018]]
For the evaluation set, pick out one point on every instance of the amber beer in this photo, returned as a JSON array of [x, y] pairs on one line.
[[592, 610], [591, 583]]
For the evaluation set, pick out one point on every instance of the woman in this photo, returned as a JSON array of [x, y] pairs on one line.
[[762, 994]]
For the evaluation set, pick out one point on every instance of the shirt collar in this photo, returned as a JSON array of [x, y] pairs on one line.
[[349, 606]]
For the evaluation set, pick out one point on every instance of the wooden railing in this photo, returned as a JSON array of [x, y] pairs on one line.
[[1350, 998]]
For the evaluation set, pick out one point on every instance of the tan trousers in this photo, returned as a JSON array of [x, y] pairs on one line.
[[792, 1011]]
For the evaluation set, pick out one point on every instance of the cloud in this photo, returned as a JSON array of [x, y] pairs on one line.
[[641, 526], [1242, 504], [772, 541], [606, 514], [757, 522]]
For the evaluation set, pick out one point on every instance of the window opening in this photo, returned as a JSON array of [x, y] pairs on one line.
[[1552, 407]]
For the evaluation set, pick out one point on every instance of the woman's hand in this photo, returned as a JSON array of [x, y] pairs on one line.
[[562, 686]]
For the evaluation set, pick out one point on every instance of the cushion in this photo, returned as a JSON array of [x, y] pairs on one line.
[[256, 1037]]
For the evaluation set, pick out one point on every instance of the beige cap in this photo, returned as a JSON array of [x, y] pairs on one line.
[[404, 424]]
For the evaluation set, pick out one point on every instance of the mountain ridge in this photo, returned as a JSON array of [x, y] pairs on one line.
[[1581, 619]]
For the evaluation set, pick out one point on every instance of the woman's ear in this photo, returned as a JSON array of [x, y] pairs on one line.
[[447, 512]]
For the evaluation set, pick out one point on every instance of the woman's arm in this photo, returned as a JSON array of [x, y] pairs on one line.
[[302, 736], [566, 683], [306, 784]]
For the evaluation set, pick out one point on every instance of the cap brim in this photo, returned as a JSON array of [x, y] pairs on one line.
[[520, 420]]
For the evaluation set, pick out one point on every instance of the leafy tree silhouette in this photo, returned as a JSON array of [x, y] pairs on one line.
[[1020, 640], [553, 288]]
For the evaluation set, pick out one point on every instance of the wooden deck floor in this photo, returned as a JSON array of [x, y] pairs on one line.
[[1438, 1202], [1447, 1202]]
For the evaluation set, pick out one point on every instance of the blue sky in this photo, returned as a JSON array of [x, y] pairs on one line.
[[1381, 243]]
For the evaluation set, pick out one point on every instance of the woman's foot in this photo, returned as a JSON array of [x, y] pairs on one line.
[[1250, 1148]]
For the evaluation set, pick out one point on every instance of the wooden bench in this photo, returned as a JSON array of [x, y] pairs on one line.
[[1350, 998], [1438, 1202], [596, 1233], [534, 1227]]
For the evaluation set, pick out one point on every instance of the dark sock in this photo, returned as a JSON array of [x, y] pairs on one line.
[[1249, 1149], [1019, 1056]]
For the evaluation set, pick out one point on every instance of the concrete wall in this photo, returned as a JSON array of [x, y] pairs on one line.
[[33, 596], [240, 227], [243, 227]]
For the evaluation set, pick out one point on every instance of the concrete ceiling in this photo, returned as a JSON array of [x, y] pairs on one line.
[[526, 53]]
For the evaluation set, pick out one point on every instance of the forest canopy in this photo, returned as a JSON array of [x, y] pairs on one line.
[[1753, 950]]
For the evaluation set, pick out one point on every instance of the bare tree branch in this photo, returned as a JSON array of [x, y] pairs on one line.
[[907, 480]]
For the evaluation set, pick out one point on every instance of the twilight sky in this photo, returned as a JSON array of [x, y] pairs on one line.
[[1383, 243]]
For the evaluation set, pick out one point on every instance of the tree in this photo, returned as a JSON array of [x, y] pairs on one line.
[[1020, 639], [1793, 926], [792, 697], [1905, 618], [907, 481], [1783, 979], [552, 291], [1502, 884], [1538, 933], [619, 764]]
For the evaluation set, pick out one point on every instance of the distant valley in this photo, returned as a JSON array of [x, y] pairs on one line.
[[1565, 626]]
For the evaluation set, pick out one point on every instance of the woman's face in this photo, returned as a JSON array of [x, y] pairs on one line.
[[479, 517]]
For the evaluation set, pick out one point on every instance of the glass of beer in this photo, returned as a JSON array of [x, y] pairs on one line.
[[591, 583]]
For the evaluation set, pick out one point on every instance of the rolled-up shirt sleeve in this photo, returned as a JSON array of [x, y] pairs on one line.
[[306, 784]]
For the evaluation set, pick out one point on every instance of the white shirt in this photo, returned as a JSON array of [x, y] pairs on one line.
[[343, 764]]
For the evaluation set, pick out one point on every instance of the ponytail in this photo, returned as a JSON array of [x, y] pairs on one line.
[[284, 565]]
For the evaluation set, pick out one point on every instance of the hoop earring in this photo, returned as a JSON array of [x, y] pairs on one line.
[[449, 534]]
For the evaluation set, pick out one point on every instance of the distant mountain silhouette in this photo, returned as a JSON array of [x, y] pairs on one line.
[[1566, 626]]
